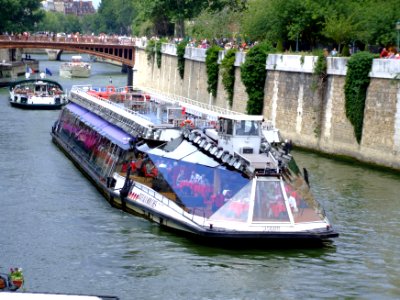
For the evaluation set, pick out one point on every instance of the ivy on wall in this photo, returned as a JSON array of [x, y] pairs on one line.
[[180, 52], [150, 50], [319, 72], [253, 74], [212, 68], [228, 73], [158, 53], [355, 89]]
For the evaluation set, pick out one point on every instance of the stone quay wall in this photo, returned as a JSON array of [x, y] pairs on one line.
[[312, 118]]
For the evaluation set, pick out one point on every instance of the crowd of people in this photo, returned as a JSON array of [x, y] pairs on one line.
[[390, 52]]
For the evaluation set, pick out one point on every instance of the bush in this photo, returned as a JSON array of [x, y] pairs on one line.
[[253, 74], [150, 50], [320, 71], [345, 51], [355, 89], [180, 51], [228, 73], [212, 68]]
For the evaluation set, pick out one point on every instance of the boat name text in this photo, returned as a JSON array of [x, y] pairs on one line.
[[143, 198]]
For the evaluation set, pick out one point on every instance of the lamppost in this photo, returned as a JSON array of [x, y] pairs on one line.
[[398, 33]]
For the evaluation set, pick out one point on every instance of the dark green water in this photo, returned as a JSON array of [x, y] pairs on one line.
[[61, 231]]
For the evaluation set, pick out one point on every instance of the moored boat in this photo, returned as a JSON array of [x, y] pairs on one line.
[[12, 281], [202, 170], [75, 68], [37, 94]]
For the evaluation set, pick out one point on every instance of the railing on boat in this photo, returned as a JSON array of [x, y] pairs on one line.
[[212, 110], [166, 201], [127, 122], [82, 90]]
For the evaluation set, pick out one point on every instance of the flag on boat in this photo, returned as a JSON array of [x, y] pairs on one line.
[[48, 72], [29, 70]]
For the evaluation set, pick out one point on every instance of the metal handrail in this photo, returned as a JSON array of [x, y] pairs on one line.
[[163, 199], [176, 98]]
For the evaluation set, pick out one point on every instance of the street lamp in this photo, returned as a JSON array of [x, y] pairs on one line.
[[398, 33]]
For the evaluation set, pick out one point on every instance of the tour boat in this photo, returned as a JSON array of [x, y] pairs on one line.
[[205, 171], [75, 68], [37, 94]]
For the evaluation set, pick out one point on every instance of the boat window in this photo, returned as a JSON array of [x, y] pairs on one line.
[[196, 187], [303, 204], [247, 128], [269, 204], [236, 207], [226, 126], [100, 154]]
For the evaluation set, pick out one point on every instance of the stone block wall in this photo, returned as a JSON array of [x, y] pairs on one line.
[[313, 118]]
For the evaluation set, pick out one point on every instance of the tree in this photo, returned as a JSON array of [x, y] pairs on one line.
[[287, 21], [340, 29], [20, 15], [116, 16], [212, 25], [177, 11]]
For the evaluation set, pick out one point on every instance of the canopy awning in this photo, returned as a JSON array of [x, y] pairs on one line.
[[106, 129], [187, 152]]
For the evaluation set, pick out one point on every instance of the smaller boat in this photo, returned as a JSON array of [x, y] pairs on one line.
[[37, 94], [75, 68], [12, 281]]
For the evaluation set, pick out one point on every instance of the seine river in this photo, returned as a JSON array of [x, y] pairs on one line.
[[61, 231]]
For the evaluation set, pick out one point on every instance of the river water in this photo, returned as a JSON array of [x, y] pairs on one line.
[[61, 231]]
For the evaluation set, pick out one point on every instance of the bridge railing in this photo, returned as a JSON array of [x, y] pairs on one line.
[[79, 39]]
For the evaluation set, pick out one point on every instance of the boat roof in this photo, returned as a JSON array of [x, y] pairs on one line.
[[112, 132], [41, 81], [258, 161]]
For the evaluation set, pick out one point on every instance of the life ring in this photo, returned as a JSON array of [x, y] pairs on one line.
[[110, 88], [187, 123]]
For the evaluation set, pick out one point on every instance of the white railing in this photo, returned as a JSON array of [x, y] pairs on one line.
[[164, 200], [212, 110]]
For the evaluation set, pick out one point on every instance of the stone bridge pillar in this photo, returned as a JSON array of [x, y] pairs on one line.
[[130, 79]]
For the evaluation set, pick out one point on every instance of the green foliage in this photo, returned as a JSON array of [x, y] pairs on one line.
[[20, 15], [115, 16], [180, 52], [162, 12], [355, 89], [345, 51], [228, 73], [212, 25], [279, 47], [319, 73], [317, 23], [150, 50], [212, 68], [340, 29], [253, 74], [158, 51]]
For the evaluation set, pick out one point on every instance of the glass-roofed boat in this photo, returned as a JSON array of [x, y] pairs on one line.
[[212, 173]]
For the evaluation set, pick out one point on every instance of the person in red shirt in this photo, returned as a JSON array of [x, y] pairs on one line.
[[384, 53]]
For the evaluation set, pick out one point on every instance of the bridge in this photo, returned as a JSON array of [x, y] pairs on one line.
[[102, 46]]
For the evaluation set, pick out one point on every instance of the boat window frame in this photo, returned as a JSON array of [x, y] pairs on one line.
[[285, 198]]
